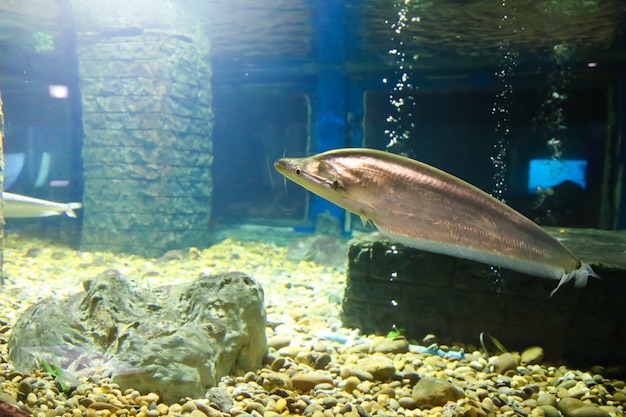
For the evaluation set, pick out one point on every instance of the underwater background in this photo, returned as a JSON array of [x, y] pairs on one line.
[[194, 279]]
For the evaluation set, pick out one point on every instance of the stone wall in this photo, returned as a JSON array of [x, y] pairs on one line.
[[147, 120], [456, 300]]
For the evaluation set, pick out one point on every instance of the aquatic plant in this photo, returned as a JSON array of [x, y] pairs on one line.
[[57, 373], [396, 332], [499, 346]]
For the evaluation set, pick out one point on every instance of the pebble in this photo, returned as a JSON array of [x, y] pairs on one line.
[[361, 374], [198, 413], [505, 362], [380, 368], [31, 398], [273, 380], [532, 355], [279, 341], [322, 361], [407, 402], [577, 391], [220, 397], [410, 374], [587, 411], [153, 413], [329, 402], [619, 397], [567, 383], [389, 392], [395, 345], [281, 405], [189, 406], [290, 351], [545, 398], [349, 384], [104, 406], [306, 381], [433, 391], [488, 405], [163, 408], [203, 405], [550, 411], [24, 387], [279, 363]]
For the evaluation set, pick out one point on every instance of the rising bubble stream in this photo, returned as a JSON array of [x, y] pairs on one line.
[[501, 111], [399, 121]]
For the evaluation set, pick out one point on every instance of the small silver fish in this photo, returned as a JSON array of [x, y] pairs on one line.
[[16, 205], [425, 208]]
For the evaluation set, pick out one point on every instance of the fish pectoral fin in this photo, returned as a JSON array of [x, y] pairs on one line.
[[337, 184], [365, 220], [579, 276], [566, 277]]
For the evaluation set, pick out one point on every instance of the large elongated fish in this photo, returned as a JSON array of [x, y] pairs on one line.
[[16, 205], [425, 208]]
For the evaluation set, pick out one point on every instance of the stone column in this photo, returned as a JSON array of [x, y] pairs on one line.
[[145, 72]]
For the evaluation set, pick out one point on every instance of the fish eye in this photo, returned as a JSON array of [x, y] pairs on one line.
[[298, 171]]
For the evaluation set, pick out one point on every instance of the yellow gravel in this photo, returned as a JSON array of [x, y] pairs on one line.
[[35, 269]]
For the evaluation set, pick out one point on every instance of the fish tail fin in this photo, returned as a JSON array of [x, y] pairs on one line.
[[579, 276], [71, 207]]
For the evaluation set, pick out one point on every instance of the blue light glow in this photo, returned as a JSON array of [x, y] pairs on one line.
[[547, 173]]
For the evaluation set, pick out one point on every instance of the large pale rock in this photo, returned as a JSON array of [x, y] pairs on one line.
[[176, 340]]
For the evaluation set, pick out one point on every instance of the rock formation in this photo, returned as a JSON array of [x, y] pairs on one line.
[[175, 340]]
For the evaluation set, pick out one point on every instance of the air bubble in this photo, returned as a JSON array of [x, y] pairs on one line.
[[502, 104], [398, 129]]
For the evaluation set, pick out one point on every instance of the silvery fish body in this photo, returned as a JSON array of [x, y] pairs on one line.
[[425, 208], [16, 205]]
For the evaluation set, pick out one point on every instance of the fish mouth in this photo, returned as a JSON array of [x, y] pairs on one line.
[[289, 167], [280, 166]]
